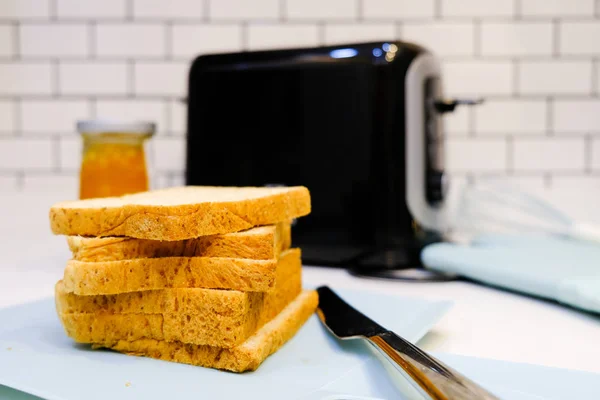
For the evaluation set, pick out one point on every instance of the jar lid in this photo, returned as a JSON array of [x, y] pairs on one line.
[[108, 126]]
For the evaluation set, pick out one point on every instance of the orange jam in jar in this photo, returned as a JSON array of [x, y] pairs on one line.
[[114, 160]]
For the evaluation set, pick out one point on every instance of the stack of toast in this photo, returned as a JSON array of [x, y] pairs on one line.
[[198, 275]]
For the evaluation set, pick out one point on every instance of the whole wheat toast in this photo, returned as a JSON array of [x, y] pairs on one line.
[[245, 357], [180, 213], [114, 277], [260, 243]]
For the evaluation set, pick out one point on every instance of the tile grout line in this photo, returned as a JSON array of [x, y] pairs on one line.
[[594, 78], [244, 35], [516, 80], [587, 155], [130, 78], [20, 179], [56, 75], [518, 14], [128, 10], [53, 11], [471, 122], [437, 9], [510, 156], [549, 116], [168, 117], [360, 10], [206, 10], [477, 37], [93, 105], [92, 34], [57, 153], [398, 29], [548, 180], [282, 10], [169, 40], [18, 117], [321, 32], [16, 40], [555, 38]]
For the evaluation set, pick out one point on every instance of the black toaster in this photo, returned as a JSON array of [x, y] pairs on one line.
[[358, 124]]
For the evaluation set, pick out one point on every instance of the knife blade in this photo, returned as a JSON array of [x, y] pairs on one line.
[[427, 374]]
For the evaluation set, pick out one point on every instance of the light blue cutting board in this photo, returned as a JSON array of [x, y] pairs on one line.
[[36, 357]]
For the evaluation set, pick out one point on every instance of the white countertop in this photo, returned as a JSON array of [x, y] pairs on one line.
[[484, 322]]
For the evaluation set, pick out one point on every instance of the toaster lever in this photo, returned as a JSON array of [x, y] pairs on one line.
[[449, 105]]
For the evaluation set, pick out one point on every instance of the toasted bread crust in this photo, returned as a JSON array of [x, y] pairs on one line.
[[245, 357], [180, 213]]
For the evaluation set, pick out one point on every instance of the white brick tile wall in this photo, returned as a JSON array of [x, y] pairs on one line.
[[169, 154], [26, 154], [52, 116], [349, 33], [478, 77], [236, 10], [482, 155], [516, 38], [132, 110], [25, 78], [401, 9], [535, 61], [511, 117], [130, 40], [58, 40], [579, 38], [91, 9], [557, 8], [555, 77], [549, 154], [577, 116], [176, 9], [457, 122], [477, 8], [25, 9], [317, 9], [261, 36], [177, 179], [595, 150], [178, 121], [7, 40], [188, 41], [8, 183], [161, 78], [160, 181], [7, 117], [443, 38], [70, 149], [92, 78], [45, 182]]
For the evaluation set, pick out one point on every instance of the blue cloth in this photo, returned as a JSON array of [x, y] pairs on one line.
[[555, 268]]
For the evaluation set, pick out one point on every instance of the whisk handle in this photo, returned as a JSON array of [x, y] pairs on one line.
[[586, 231]]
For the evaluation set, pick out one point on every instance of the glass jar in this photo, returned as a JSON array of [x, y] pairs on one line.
[[113, 162]]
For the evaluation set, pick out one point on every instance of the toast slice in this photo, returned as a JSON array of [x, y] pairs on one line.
[[245, 357], [221, 318], [114, 277], [192, 301], [206, 328], [260, 243], [180, 213]]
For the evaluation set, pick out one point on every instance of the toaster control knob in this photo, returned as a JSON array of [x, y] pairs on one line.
[[436, 186], [444, 106]]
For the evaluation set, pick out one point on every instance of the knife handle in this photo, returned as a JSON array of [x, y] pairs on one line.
[[434, 378]]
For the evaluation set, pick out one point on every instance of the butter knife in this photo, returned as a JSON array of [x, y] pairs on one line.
[[427, 374]]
